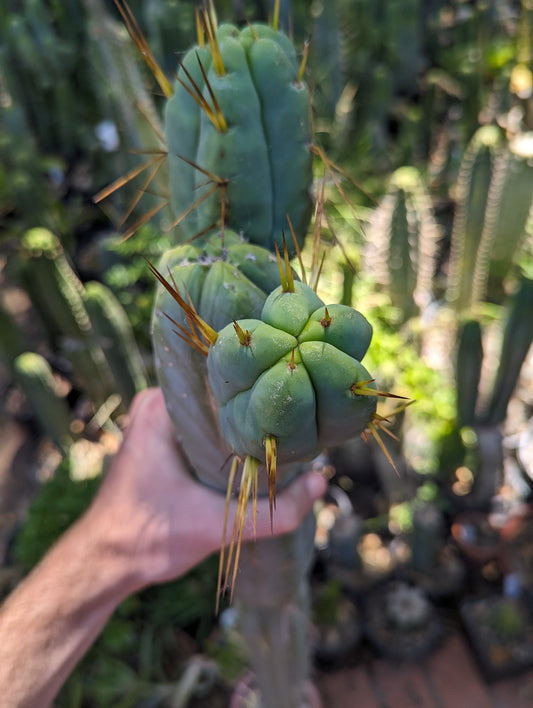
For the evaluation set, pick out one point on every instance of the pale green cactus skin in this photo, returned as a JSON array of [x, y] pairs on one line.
[[264, 156], [472, 193], [226, 280], [293, 380], [114, 334], [35, 377]]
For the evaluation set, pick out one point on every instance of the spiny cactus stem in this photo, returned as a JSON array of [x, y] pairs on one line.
[[199, 335], [195, 92], [271, 457], [360, 388], [138, 38], [245, 337]]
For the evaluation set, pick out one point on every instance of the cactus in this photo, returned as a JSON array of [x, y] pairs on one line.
[[238, 137], [517, 339], [402, 243], [509, 205], [12, 340], [495, 197], [239, 120], [472, 193], [35, 377], [57, 294], [115, 337], [293, 375], [468, 371]]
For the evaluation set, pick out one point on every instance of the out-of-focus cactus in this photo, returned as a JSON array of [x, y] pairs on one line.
[[238, 136], [12, 340], [114, 335], [471, 195], [58, 296], [517, 339], [495, 197], [35, 377], [508, 209], [482, 404], [402, 243], [468, 371]]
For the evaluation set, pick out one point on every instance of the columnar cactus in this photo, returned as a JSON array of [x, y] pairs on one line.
[[254, 367], [472, 192], [238, 135], [494, 201], [402, 242], [35, 377]]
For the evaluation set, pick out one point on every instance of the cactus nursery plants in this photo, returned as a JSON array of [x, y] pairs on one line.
[[259, 374]]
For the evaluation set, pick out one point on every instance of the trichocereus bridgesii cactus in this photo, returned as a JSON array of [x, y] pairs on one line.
[[238, 135], [281, 385]]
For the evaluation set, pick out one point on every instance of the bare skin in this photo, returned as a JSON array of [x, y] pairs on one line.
[[149, 523]]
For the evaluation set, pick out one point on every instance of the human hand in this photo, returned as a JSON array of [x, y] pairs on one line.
[[160, 520]]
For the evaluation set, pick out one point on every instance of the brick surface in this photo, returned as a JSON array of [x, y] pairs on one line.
[[402, 686], [456, 678], [346, 688]]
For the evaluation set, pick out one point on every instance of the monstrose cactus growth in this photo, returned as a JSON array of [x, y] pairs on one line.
[[255, 368]]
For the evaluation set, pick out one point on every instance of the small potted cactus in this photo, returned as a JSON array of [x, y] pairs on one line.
[[401, 621], [500, 629]]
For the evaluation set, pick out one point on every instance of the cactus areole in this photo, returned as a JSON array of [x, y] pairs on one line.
[[238, 136], [293, 376]]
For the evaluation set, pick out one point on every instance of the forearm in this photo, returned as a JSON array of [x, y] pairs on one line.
[[53, 617]]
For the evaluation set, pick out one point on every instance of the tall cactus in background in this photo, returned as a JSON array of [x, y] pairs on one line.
[[482, 401], [34, 375], [254, 367], [86, 325], [494, 200], [402, 243], [471, 194]]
